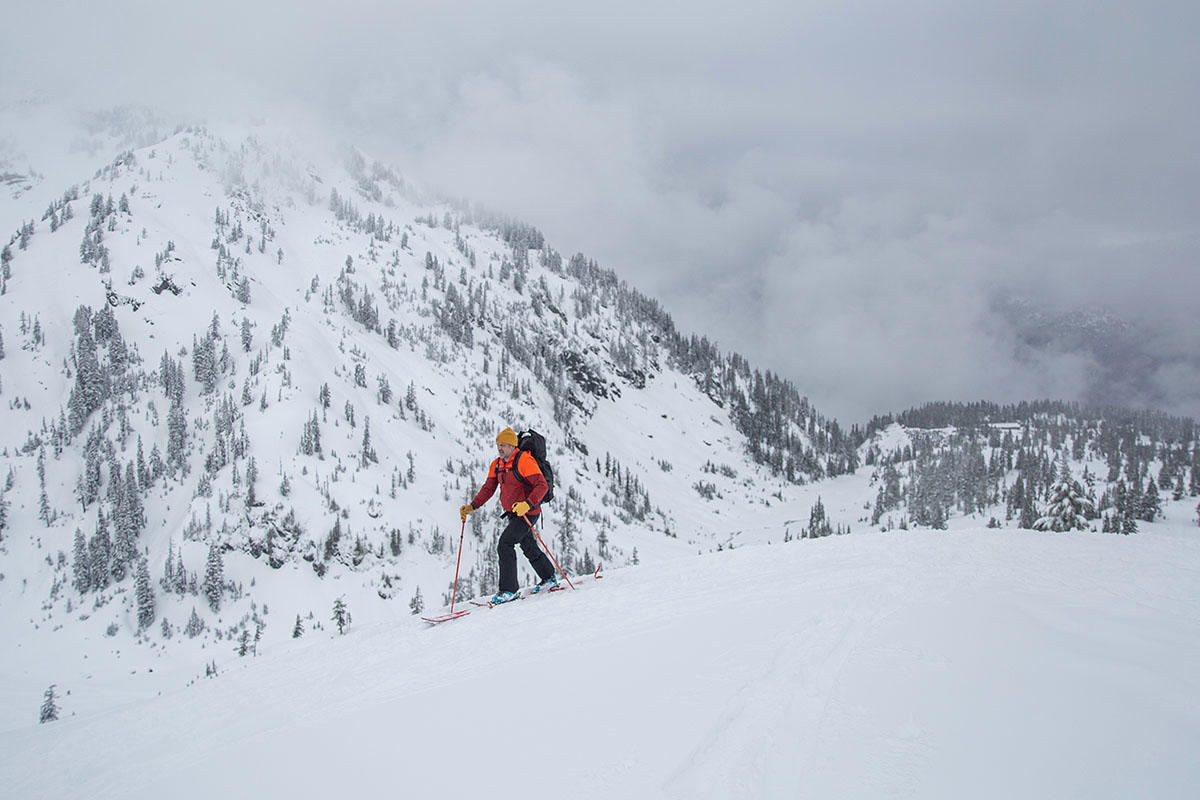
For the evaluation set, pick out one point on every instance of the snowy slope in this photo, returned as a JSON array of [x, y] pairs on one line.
[[974, 664]]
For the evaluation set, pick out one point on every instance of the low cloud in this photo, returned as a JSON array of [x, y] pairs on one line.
[[839, 194]]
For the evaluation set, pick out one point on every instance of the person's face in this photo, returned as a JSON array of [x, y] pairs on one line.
[[506, 450]]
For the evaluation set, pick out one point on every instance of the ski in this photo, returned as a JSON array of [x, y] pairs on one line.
[[446, 617], [489, 604], [523, 593]]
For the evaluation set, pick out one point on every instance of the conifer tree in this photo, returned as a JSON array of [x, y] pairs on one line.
[[195, 625], [100, 553], [49, 706], [133, 501], [298, 628], [145, 595], [44, 512], [181, 576], [176, 438], [251, 478], [88, 392], [818, 524], [341, 615], [368, 455], [214, 577], [124, 534], [143, 471], [1069, 505], [168, 579], [81, 563], [938, 520], [1151, 505], [1132, 507]]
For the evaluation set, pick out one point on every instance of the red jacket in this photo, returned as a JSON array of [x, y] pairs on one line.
[[512, 490]]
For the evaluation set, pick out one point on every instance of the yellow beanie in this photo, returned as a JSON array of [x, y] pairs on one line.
[[507, 436]]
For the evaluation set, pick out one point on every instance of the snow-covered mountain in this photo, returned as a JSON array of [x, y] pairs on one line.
[[248, 376]]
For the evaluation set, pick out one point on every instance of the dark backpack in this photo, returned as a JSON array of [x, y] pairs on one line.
[[534, 443]]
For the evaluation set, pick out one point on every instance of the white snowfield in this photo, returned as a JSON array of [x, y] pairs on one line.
[[968, 664]]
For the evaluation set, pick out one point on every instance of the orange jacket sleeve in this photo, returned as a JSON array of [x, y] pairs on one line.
[[489, 487]]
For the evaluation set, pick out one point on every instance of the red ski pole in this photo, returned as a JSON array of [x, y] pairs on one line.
[[454, 593], [547, 549]]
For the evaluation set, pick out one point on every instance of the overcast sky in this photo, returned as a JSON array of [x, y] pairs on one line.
[[838, 191]]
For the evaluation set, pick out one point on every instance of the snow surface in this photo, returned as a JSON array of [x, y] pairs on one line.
[[976, 663]]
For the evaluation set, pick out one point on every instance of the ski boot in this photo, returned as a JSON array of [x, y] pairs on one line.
[[504, 597], [548, 585]]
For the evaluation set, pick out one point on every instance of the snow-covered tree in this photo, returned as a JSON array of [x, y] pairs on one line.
[[214, 577], [45, 514], [251, 479], [195, 625], [176, 438], [1069, 506], [1151, 503], [100, 553], [368, 455], [49, 706], [145, 595], [81, 563], [341, 615]]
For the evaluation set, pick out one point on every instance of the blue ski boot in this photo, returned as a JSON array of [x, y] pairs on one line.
[[548, 585], [504, 597]]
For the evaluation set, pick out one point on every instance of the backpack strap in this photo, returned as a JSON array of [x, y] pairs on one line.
[[520, 477], [517, 472]]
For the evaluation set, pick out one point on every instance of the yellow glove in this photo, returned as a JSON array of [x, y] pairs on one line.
[[521, 508], [464, 510]]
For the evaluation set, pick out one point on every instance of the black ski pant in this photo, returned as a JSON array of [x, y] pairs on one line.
[[518, 532]]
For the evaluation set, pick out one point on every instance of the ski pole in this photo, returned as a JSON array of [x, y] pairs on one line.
[[454, 593], [547, 549]]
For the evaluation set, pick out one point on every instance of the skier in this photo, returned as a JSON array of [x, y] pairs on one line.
[[522, 487]]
